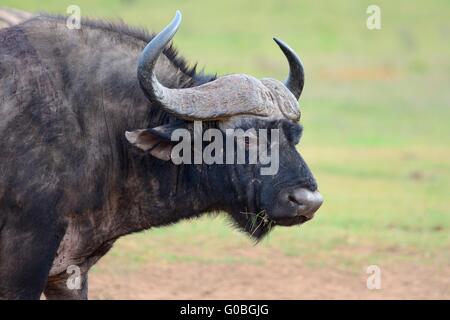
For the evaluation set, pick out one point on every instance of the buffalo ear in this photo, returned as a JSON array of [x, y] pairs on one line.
[[155, 141]]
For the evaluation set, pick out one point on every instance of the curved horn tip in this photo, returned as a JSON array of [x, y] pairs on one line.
[[282, 44], [296, 78], [169, 31], [174, 24], [156, 45], [177, 17], [278, 41]]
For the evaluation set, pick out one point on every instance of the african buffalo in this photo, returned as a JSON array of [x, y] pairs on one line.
[[86, 117]]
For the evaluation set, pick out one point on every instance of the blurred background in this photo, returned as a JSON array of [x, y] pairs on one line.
[[376, 111]]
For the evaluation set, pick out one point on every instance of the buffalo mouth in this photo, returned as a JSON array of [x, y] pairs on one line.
[[257, 226], [290, 221]]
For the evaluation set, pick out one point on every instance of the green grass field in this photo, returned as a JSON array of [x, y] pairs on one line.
[[376, 111]]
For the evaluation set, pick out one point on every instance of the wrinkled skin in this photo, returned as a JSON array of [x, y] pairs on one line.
[[70, 183], [10, 17]]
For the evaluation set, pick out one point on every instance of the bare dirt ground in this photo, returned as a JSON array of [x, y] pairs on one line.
[[281, 278]]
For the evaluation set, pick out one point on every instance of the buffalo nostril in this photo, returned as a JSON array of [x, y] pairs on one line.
[[294, 200], [299, 203], [307, 201]]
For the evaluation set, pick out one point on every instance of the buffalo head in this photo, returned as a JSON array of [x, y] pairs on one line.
[[256, 201]]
